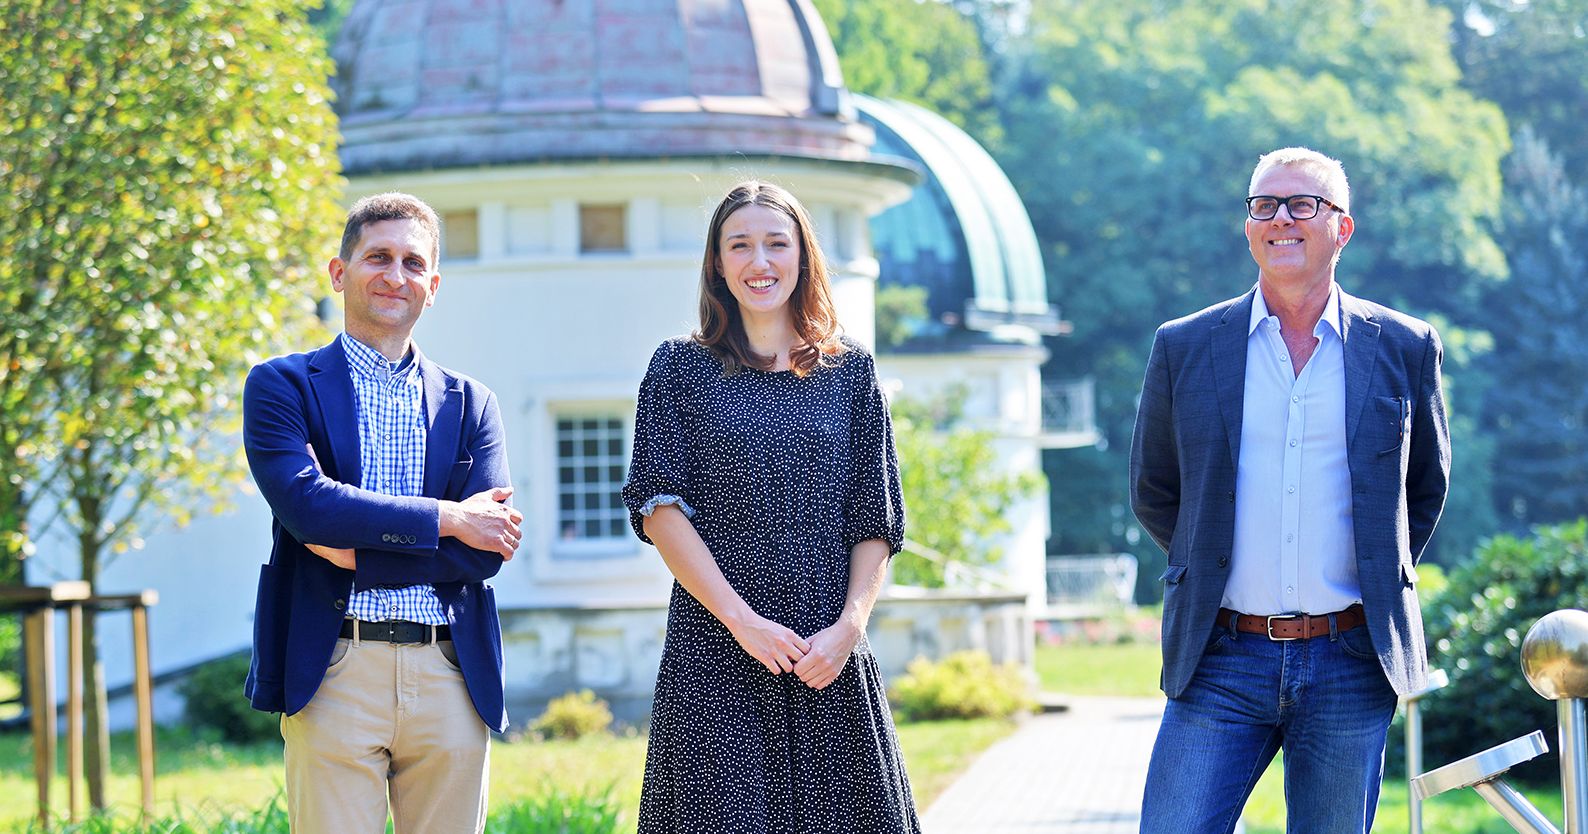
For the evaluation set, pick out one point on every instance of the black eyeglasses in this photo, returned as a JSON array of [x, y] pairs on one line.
[[1300, 206]]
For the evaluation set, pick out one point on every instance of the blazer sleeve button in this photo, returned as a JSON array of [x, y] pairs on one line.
[[1224, 561]]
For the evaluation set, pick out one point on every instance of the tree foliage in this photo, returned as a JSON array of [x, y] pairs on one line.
[[170, 173], [901, 311], [1531, 58], [1131, 133], [956, 492], [1539, 321], [922, 51]]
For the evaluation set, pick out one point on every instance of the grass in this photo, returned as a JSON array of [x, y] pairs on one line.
[[595, 764], [1457, 812], [202, 779], [1131, 669], [193, 772], [935, 752], [1108, 669]]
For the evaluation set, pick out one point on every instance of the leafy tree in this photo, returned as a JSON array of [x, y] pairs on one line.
[[922, 51], [1132, 129], [1531, 58], [1469, 515], [1539, 415], [168, 167], [955, 491], [327, 19], [900, 313]]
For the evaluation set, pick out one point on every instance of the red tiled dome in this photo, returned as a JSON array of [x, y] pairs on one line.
[[445, 83]]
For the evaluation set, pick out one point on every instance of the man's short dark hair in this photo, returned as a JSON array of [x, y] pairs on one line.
[[393, 205]]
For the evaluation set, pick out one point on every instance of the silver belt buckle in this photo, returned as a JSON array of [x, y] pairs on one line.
[[1271, 619]]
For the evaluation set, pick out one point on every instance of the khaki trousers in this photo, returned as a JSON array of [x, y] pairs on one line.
[[388, 720]]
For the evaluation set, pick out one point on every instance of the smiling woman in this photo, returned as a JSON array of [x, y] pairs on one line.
[[786, 321], [764, 472], [760, 264]]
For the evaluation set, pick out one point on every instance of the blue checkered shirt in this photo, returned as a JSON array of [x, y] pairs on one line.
[[391, 452]]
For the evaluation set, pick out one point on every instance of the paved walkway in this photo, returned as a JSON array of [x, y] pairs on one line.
[[1074, 772]]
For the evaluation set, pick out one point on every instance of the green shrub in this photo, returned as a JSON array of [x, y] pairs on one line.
[[574, 715], [1432, 580], [963, 685], [215, 700], [1475, 629]]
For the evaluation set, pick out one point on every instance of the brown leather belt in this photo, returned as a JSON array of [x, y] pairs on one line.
[[1294, 626]]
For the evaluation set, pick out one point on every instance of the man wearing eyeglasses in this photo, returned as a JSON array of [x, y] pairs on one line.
[[1291, 455]]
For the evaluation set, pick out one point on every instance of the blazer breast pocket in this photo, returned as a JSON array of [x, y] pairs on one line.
[[459, 478], [1394, 415]]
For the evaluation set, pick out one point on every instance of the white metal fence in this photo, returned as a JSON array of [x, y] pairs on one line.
[[1090, 584]]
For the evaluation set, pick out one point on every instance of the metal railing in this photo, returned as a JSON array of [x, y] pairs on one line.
[[958, 574], [1555, 661], [1069, 409], [1099, 581]]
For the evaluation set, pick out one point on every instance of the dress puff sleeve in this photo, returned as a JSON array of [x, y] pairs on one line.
[[874, 507], [658, 468]]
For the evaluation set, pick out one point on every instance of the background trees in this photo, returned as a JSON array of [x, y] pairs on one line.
[[1131, 133], [1130, 130], [1539, 417], [1532, 59], [922, 52], [950, 473], [171, 181]]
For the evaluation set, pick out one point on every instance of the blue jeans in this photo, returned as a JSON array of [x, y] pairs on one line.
[[1324, 701]]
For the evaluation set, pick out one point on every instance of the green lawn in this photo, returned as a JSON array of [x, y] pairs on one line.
[[1109, 669], [1458, 812], [195, 774], [937, 751]]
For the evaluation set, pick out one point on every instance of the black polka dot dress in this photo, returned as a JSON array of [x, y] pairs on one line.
[[783, 475]]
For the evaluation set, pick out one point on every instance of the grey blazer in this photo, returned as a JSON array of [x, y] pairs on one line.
[[1188, 437]]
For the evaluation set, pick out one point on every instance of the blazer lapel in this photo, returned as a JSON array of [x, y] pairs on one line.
[[444, 421], [1229, 368], [333, 391], [1360, 334]]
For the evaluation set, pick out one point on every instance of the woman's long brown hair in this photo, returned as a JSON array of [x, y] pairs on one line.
[[811, 305]]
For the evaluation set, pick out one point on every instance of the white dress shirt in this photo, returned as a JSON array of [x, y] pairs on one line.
[[1294, 547]]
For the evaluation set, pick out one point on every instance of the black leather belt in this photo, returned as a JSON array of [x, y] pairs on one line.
[[396, 631]]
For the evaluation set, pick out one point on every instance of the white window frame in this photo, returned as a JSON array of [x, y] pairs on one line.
[[619, 545]]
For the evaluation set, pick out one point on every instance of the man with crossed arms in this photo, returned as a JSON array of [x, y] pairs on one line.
[[375, 632]]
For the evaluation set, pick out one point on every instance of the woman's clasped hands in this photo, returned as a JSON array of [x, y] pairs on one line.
[[817, 661]]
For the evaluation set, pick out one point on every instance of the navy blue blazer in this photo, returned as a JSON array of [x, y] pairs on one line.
[[300, 432], [1188, 438]]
